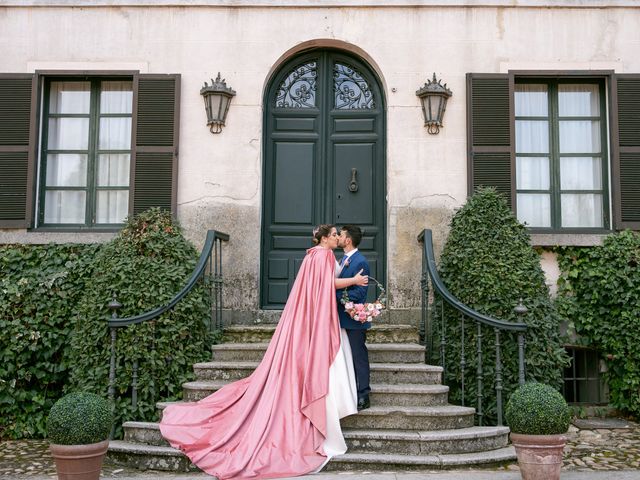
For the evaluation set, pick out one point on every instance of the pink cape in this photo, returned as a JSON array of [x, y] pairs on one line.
[[272, 423]]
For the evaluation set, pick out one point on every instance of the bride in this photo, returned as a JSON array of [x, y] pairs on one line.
[[284, 419]]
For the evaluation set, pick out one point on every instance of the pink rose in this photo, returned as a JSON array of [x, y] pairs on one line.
[[359, 307], [362, 316], [375, 313], [348, 305]]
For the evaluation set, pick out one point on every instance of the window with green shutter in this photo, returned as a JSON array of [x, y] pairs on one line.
[[563, 149], [83, 151]]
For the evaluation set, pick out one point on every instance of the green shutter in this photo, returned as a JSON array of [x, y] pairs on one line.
[[626, 158], [16, 149], [155, 164], [489, 134]]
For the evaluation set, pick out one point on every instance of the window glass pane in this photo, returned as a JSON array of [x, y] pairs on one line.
[[578, 100], [531, 100], [580, 173], [115, 134], [64, 206], [532, 136], [113, 170], [581, 210], [69, 97], [298, 90], [532, 173], [534, 209], [116, 97], [112, 206], [68, 134], [350, 89], [579, 136], [66, 170]]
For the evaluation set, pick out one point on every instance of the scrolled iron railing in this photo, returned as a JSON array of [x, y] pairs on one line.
[[441, 295], [208, 270]]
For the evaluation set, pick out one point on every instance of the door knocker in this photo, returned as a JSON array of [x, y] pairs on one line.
[[353, 185]]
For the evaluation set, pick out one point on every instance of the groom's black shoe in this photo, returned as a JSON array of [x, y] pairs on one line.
[[363, 403]]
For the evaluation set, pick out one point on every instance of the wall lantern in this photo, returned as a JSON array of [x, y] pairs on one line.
[[433, 97], [217, 98]]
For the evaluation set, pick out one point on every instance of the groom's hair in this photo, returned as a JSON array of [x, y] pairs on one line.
[[354, 233]]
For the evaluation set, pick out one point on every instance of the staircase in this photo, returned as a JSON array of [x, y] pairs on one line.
[[410, 425]]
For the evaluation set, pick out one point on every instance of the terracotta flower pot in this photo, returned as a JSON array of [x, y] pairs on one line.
[[539, 456], [79, 462]]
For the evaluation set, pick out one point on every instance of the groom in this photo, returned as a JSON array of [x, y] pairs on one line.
[[351, 263]]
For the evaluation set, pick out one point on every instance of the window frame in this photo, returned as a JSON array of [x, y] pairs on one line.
[[95, 77], [553, 119], [602, 77]]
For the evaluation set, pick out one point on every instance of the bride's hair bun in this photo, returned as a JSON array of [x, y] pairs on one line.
[[321, 231]]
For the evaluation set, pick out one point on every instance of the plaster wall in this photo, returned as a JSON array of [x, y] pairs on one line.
[[220, 176]]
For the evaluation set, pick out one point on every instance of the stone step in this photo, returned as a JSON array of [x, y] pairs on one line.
[[379, 333], [439, 417], [391, 461], [149, 457], [392, 373], [378, 352], [466, 440], [407, 395], [384, 417]]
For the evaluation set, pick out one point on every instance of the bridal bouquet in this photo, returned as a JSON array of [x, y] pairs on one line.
[[364, 312]]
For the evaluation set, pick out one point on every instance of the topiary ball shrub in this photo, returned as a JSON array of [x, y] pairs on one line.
[[79, 419], [537, 409]]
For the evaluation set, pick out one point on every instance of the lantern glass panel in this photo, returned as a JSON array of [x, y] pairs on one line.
[[214, 106], [224, 105]]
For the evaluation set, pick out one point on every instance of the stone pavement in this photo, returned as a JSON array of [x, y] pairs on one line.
[[591, 454]]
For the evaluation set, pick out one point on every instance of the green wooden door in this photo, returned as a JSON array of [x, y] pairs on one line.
[[324, 162]]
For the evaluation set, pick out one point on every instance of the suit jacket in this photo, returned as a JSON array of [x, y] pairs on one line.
[[356, 294]]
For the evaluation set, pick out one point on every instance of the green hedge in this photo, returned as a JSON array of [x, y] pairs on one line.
[[599, 295], [489, 264], [39, 288], [53, 330], [145, 266]]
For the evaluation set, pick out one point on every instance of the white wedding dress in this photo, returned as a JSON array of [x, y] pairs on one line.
[[341, 401]]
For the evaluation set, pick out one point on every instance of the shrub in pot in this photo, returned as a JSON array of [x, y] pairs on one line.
[[538, 417], [78, 429]]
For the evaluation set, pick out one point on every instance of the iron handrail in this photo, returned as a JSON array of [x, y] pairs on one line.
[[426, 239], [212, 236]]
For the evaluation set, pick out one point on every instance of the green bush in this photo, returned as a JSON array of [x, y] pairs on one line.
[[599, 295], [537, 409], [144, 266], [489, 264], [39, 288], [79, 419]]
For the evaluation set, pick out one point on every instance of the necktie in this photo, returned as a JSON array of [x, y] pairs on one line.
[[342, 260]]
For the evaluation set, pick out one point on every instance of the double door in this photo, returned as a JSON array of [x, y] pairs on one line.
[[324, 163]]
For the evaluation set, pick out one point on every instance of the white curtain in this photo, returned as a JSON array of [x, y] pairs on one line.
[[581, 171]]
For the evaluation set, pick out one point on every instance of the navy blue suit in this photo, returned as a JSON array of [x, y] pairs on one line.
[[356, 331]]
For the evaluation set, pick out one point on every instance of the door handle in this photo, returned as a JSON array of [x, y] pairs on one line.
[[353, 185]]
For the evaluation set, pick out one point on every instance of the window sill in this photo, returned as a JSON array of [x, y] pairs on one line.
[[43, 236], [567, 239]]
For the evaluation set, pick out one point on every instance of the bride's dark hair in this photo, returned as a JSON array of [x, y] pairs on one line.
[[321, 231]]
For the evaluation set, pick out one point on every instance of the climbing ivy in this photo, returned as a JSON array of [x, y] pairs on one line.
[[144, 266], [39, 288], [599, 295], [488, 263]]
